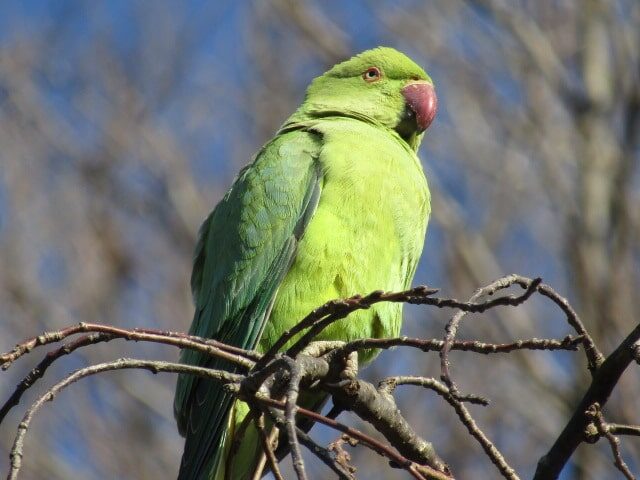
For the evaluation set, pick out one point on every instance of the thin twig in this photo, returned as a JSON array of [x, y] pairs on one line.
[[342, 457], [337, 309], [451, 328], [258, 420], [16, 453], [325, 455], [619, 429], [331, 312], [453, 397], [594, 357], [210, 347], [595, 413], [390, 383], [39, 370], [105, 333], [489, 448], [475, 346], [320, 452]]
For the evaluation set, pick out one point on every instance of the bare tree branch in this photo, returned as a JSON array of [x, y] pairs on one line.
[[267, 447], [16, 455], [603, 383], [272, 382], [595, 414]]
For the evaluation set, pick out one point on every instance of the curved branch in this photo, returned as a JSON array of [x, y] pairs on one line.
[[106, 333], [39, 370], [16, 453], [176, 339], [452, 326]]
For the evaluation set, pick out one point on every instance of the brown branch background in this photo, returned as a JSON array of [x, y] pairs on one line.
[[105, 175]]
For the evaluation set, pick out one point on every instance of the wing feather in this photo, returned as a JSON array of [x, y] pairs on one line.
[[245, 249]]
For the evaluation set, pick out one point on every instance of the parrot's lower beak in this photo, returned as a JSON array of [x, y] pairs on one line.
[[421, 99]]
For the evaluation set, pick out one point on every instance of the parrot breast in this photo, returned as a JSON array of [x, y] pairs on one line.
[[366, 234]]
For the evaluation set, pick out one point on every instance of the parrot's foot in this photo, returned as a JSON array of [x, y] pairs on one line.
[[350, 369], [321, 347]]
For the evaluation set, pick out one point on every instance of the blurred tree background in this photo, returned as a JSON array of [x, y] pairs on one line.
[[122, 123]]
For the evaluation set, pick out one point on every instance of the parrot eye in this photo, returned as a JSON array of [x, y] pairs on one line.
[[372, 74]]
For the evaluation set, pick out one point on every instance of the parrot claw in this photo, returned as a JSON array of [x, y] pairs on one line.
[[321, 347], [350, 370]]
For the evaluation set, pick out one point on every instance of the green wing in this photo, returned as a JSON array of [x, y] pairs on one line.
[[245, 248]]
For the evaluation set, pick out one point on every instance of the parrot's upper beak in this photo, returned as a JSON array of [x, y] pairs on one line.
[[421, 99]]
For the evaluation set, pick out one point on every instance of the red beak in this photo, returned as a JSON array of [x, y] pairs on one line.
[[421, 98]]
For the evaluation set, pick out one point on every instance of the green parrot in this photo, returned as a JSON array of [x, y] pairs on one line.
[[334, 205]]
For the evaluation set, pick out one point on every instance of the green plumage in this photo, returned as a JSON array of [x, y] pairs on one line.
[[336, 204]]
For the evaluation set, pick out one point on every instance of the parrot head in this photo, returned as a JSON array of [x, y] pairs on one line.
[[382, 85]]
